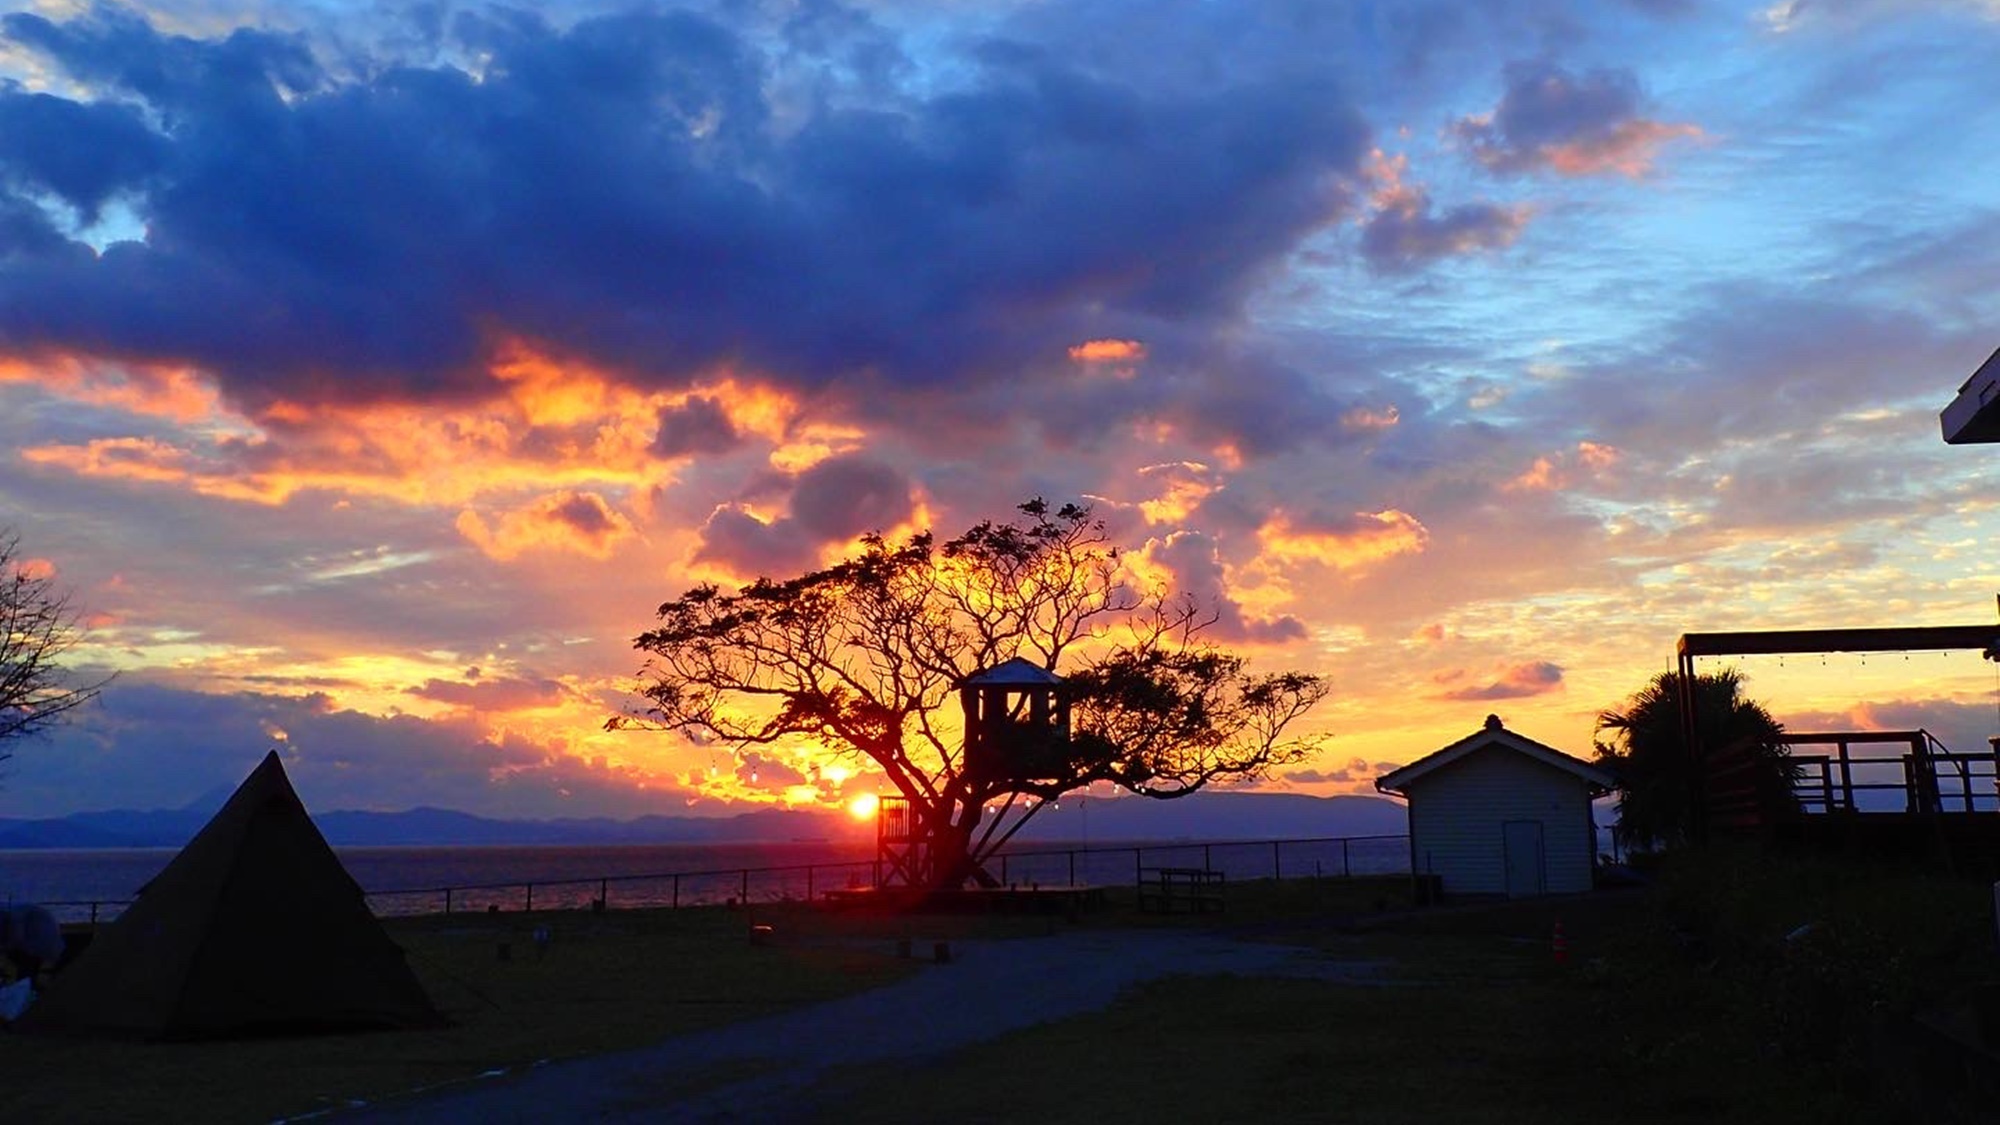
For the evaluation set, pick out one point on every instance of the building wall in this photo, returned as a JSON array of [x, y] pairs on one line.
[[1456, 814]]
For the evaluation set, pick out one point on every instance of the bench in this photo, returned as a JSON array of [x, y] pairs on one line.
[[1171, 888]]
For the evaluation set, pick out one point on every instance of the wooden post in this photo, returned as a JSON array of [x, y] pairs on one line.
[[1846, 777], [1277, 864], [1697, 755], [1345, 871], [677, 891]]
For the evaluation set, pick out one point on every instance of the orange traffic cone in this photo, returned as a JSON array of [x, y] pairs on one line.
[[1559, 945]]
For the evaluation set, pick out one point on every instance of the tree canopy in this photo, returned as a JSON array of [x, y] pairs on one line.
[[1649, 755], [866, 657], [38, 628]]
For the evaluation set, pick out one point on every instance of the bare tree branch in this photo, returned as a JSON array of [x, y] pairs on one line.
[[38, 628]]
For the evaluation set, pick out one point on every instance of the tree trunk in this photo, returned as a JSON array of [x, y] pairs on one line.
[[952, 863]]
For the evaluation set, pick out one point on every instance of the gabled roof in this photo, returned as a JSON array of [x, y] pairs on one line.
[[1493, 735], [1015, 670]]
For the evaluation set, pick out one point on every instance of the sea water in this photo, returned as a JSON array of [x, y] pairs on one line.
[[423, 880]]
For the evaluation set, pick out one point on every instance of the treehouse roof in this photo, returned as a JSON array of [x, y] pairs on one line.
[[1014, 671]]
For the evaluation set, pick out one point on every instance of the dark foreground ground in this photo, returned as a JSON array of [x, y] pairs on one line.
[[1303, 1002]]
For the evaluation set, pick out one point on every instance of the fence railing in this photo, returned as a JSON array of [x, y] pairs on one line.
[[1105, 864]]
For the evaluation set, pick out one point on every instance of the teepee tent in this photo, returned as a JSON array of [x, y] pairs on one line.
[[254, 928]]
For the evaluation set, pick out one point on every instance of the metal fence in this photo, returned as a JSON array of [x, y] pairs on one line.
[[1100, 865]]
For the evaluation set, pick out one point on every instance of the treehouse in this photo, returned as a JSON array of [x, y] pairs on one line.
[[1016, 735], [1016, 724]]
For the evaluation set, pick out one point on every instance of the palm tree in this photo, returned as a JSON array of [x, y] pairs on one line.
[[1746, 761]]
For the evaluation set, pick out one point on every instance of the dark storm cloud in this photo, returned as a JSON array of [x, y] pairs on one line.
[[1961, 726], [586, 513], [623, 190], [81, 154], [492, 694], [1356, 770], [26, 232], [834, 502], [1196, 564], [699, 425], [843, 497], [1548, 118], [1517, 682], [1413, 235]]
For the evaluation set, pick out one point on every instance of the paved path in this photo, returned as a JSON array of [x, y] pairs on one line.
[[988, 989]]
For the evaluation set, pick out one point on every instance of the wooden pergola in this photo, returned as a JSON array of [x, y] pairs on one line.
[[1912, 638]]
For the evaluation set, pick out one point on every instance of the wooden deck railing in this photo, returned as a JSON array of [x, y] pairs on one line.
[[1927, 778]]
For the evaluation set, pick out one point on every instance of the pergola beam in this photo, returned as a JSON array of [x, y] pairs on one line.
[[1910, 638]]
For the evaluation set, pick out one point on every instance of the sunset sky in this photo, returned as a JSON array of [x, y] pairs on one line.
[[370, 372]]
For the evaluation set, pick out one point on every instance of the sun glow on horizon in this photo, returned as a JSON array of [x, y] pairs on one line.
[[864, 806]]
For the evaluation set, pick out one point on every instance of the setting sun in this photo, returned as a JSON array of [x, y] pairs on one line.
[[863, 807]]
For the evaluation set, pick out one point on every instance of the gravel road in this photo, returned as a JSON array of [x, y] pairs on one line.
[[989, 988]]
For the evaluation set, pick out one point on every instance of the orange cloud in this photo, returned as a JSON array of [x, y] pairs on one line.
[[1559, 470], [552, 425], [1518, 681], [127, 458], [1108, 351], [488, 693], [156, 390], [1402, 228], [1597, 456], [1187, 484], [582, 522], [1386, 173], [1627, 150], [1364, 418], [1370, 537], [1542, 476]]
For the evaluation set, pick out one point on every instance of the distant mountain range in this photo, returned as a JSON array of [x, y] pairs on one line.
[[1201, 816]]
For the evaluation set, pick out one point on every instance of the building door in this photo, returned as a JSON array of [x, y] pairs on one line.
[[1525, 860]]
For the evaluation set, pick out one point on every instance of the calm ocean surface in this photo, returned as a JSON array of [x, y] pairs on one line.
[[411, 880]]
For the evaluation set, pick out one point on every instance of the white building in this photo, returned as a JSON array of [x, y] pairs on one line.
[[1496, 813]]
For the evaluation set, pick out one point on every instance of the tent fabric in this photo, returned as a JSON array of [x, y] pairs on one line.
[[254, 928]]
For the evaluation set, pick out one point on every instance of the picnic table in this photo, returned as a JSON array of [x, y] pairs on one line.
[[1168, 889]]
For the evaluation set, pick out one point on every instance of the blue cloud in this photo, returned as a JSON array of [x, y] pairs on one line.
[[624, 190]]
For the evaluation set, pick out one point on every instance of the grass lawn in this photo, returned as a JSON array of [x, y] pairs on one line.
[[1474, 1022], [1477, 1023], [607, 981]]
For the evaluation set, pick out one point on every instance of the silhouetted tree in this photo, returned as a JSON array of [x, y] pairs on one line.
[[1648, 755], [865, 658], [38, 627]]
